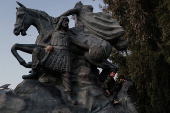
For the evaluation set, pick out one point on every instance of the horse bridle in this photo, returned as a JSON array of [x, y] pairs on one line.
[[22, 21]]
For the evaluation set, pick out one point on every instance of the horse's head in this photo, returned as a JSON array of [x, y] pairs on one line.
[[23, 21], [26, 17]]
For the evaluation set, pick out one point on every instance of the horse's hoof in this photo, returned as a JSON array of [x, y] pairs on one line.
[[30, 71], [30, 76], [22, 62], [28, 65]]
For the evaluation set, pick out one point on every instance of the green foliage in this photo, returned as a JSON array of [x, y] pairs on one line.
[[147, 26]]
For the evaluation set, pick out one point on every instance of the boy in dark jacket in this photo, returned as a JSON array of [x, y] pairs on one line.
[[109, 85], [112, 86]]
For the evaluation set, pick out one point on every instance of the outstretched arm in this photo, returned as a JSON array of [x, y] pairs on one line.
[[70, 12]]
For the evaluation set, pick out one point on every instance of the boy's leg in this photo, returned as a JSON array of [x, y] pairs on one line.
[[114, 95], [115, 101]]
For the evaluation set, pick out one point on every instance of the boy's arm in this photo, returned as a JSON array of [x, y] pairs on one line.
[[106, 83]]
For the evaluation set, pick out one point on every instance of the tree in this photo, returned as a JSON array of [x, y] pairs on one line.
[[147, 27]]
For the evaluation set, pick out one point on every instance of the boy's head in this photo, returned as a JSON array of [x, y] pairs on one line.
[[112, 73]]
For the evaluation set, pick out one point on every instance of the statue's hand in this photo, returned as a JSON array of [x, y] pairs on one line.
[[49, 48]]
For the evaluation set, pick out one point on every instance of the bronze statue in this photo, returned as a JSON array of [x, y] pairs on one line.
[[69, 57], [88, 34]]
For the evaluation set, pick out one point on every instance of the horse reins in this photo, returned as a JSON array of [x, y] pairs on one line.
[[21, 24]]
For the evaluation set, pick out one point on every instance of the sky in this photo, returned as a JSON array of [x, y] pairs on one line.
[[10, 70]]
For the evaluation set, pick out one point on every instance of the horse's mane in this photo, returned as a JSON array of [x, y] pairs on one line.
[[40, 14]]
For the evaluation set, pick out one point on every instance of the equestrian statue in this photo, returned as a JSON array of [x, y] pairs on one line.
[[68, 58]]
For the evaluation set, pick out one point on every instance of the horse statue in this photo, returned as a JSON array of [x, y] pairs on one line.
[[26, 17], [97, 55], [85, 86]]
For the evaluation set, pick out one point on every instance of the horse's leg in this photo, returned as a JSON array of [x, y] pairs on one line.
[[28, 48]]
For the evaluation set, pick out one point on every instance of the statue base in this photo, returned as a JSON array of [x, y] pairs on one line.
[[32, 96]]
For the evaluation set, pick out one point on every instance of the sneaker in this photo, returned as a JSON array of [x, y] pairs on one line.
[[115, 102]]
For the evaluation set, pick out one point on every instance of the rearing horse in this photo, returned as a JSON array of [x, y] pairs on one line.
[[44, 23], [26, 17]]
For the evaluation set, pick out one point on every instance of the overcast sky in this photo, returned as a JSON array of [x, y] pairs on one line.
[[10, 70]]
